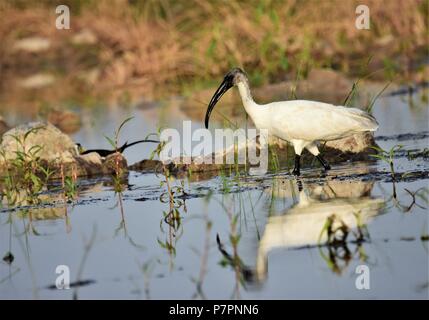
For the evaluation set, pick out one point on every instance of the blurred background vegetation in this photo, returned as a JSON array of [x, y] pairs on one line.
[[157, 48]]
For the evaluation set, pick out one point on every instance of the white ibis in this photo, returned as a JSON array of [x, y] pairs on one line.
[[303, 123]]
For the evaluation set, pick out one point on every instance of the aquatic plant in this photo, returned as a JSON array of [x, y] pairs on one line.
[[68, 184], [414, 154], [87, 247], [274, 159], [27, 175], [420, 193], [337, 232], [366, 74], [172, 216], [204, 257], [114, 142], [23, 173], [374, 99], [387, 157], [70, 188]]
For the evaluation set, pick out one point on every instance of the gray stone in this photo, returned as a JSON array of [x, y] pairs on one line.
[[38, 80], [56, 146], [57, 152], [32, 44]]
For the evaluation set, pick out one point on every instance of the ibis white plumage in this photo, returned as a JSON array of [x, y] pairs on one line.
[[303, 123]]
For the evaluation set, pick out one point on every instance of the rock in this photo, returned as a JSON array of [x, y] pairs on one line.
[[56, 146], [58, 152], [38, 80], [84, 37], [92, 164], [146, 166], [90, 76], [385, 40], [32, 44], [67, 121], [193, 171], [356, 147]]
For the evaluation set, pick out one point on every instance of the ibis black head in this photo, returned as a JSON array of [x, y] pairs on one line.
[[233, 77]]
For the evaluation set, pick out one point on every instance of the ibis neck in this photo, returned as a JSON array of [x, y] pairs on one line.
[[249, 104]]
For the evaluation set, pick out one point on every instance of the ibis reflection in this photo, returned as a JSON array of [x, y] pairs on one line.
[[331, 217]]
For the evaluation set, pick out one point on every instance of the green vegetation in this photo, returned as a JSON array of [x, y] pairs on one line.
[[387, 156], [114, 142], [26, 176], [172, 195], [23, 181]]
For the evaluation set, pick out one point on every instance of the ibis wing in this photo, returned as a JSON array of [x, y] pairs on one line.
[[312, 121]]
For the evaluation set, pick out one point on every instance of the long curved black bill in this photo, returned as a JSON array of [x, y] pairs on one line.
[[225, 85]]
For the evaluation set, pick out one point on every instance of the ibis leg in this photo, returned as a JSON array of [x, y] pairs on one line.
[[324, 163], [296, 170]]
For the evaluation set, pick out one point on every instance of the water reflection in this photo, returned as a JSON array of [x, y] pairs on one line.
[[331, 215], [325, 216]]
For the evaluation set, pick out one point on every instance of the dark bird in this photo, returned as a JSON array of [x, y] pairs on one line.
[[105, 152]]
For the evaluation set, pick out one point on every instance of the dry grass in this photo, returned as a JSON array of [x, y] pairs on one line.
[[147, 45]]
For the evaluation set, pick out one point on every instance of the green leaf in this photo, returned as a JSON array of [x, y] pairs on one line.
[[162, 244], [324, 228], [35, 180], [123, 123], [32, 130], [112, 143], [371, 105], [377, 156]]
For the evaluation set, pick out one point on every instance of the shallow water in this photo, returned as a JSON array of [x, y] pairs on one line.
[[135, 253]]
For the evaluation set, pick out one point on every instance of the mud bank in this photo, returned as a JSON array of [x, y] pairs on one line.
[[357, 147]]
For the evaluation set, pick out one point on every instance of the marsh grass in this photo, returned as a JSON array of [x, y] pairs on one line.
[[87, 247], [69, 184], [419, 199], [118, 176], [23, 173], [365, 75], [388, 157], [412, 155], [372, 101], [70, 188], [26, 175], [175, 197]]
